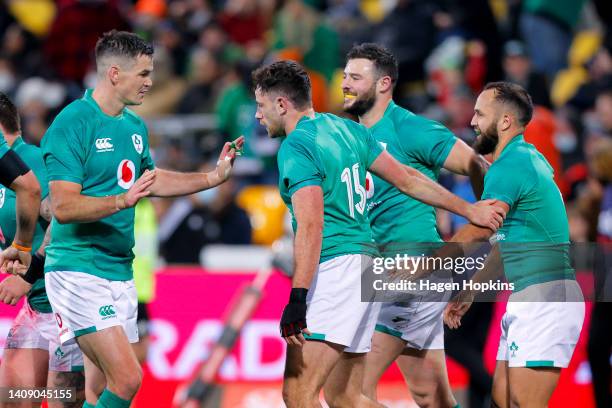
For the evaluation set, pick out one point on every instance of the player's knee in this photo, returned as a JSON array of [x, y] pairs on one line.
[[128, 385]]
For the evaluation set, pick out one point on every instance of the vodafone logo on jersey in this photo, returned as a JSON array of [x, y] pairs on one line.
[[126, 174], [369, 185]]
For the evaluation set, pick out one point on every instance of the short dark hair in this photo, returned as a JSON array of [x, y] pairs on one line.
[[287, 78], [383, 59], [515, 96], [122, 44], [9, 117]]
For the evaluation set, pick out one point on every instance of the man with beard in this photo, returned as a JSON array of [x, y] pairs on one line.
[[322, 164], [545, 312], [410, 333]]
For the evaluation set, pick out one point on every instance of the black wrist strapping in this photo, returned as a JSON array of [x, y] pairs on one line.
[[36, 270], [298, 295]]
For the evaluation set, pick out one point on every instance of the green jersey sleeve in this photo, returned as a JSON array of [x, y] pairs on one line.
[[298, 163], [64, 154], [4, 147], [147, 161], [374, 147], [502, 185], [37, 164], [431, 142]]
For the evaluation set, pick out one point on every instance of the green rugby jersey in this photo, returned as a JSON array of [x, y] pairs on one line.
[[32, 156], [4, 147], [105, 155], [522, 178], [333, 153], [417, 142]]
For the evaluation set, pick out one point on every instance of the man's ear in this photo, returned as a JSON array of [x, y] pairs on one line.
[[281, 105], [113, 74], [385, 84], [506, 122]]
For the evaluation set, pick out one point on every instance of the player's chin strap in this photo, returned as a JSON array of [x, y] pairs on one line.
[[36, 270]]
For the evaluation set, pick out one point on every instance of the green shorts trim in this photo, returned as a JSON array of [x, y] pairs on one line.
[[384, 329], [539, 363], [86, 330], [315, 336], [77, 369]]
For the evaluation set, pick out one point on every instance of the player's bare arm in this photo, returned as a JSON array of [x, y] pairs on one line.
[[417, 185], [172, 183], [27, 191], [308, 211], [462, 159], [69, 205]]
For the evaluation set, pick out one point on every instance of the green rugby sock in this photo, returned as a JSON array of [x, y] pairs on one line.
[[88, 405], [110, 400]]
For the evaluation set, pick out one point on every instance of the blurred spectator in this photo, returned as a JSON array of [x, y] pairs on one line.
[[517, 69], [215, 40], [23, 50], [600, 332], [208, 217], [74, 32], [245, 20], [202, 92], [8, 81], [299, 26], [603, 109], [411, 44], [167, 89], [547, 28]]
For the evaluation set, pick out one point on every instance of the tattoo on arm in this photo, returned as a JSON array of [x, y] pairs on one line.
[[45, 209]]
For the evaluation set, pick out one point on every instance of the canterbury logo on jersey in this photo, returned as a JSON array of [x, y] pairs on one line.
[[106, 311], [104, 144]]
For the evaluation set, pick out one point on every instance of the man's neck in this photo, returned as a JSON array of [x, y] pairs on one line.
[[504, 140], [371, 117], [10, 138], [294, 117], [107, 100]]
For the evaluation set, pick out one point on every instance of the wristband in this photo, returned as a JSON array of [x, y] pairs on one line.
[[36, 270], [21, 247], [298, 295]]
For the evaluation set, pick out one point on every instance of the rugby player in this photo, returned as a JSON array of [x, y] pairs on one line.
[[411, 333], [545, 312], [322, 164], [99, 167], [33, 356]]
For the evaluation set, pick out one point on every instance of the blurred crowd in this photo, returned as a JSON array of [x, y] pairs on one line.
[[560, 50]]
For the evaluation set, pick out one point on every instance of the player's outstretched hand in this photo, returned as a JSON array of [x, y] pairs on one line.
[[486, 213], [139, 190], [227, 157], [12, 289], [456, 308], [12, 254], [293, 321]]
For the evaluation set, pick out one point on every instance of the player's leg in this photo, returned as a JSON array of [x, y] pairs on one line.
[[65, 380], [118, 363], [427, 378], [306, 370], [500, 395], [141, 348], [23, 368], [385, 349], [95, 382], [532, 387], [66, 368], [343, 388], [101, 315], [25, 358]]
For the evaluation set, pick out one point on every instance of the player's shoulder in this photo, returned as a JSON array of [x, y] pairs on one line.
[[405, 119], [77, 110], [133, 117]]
